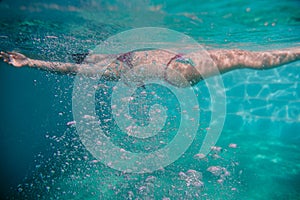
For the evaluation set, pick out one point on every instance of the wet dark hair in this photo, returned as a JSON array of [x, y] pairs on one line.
[[78, 57]]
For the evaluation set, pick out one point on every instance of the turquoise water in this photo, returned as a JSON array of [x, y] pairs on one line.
[[42, 158]]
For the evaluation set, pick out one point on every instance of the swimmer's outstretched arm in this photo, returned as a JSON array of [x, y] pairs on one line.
[[227, 60], [20, 60], [90, 69]]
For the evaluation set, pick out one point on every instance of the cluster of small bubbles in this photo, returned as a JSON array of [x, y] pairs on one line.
[[83, 172], [192, 178], [222, 173]]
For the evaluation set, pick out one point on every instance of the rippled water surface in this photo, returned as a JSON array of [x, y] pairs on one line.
[[43, 158]]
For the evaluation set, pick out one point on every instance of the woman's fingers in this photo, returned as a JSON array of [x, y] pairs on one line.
[[5, 56], [14, 58]]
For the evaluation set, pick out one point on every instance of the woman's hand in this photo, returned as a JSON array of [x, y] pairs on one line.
[[14, 58]]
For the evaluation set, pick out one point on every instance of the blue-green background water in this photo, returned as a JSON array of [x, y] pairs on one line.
[[42, 158]]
